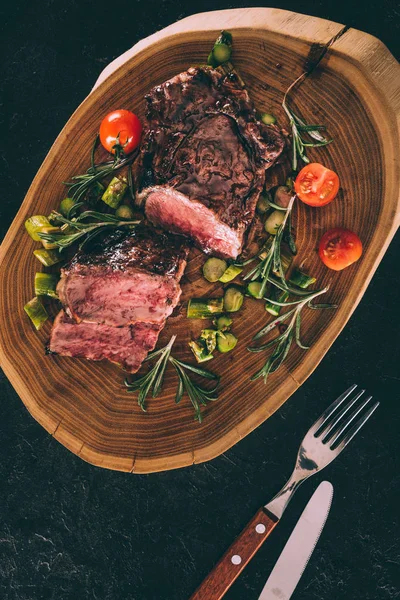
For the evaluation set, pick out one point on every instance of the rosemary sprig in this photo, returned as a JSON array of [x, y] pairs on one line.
[[299, 127], [272, 262], [288, 333], [64, 237], [151, 383], [81, 184], [198, 395]]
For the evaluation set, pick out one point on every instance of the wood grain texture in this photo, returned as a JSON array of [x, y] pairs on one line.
[[355, 91], [238, 555]]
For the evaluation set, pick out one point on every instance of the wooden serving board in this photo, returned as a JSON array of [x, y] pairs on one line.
[[355, 91]]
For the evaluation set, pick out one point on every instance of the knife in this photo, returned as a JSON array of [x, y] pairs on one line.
[[297, 552]]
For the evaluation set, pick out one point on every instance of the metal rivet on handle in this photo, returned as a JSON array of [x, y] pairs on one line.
[[236, 559], [260, 528]]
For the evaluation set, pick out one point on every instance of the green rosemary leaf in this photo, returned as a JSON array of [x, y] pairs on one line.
[[297, 332], [198, 370], [180, 389], [273, 324], [322, 306]]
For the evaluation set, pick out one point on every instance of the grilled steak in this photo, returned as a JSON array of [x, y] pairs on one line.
[[127, 346], [203, 159], [126, 276]]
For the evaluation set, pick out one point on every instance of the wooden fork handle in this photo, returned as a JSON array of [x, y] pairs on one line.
[[225, 572]]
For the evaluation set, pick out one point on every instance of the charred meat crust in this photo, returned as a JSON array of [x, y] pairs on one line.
[[203, 139], [142, 248]]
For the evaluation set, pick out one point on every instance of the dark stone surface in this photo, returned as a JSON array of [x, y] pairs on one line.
[[72, 531]]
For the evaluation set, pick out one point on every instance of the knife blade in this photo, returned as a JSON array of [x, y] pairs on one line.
[[297, 552]]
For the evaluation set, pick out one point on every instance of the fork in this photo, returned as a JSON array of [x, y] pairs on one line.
[[323, 442]]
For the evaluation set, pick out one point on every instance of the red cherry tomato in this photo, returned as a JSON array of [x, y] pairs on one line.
[[339, 248], [316, 185], [120, 127]]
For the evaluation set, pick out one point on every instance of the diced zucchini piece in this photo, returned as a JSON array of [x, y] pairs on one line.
[[274, 221], [47, 257], [268, 119], [200, 352], [209, 338], [282, 196], [226, 342], [223, 323], [233, 298], [301, 279], [275, 309], [263, 203], [221, 53], [254, 289], [66, 205], [115, 192], [231, 272], [204, 308], [35, 224], [214, 268], [45, 284], [36, 312], [124, 212]]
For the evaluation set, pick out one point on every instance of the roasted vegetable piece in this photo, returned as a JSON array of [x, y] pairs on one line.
[[268, 119], [231, 272], [66, 205], [226, 342], [201, 353], [223, 323], [214, 268], [301, 279], [115, 192], [204, 308], [254, 289], [209, 337], [47, 257], [45, 284], [233, 298], [275, 309], [222, 50], [124, 212], [35, 224], [274, 221], [36, 312]]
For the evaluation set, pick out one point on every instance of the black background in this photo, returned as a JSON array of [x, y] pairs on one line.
[[72, 531]]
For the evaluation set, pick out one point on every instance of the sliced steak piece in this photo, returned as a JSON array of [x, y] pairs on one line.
[[125, 277], [203, 159], [126, 346]]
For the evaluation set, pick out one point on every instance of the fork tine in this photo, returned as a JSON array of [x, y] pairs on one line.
[[349, 421], [326, 431], [357, 426], [331, 409]]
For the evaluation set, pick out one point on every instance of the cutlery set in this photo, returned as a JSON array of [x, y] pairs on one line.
[[323, 442]]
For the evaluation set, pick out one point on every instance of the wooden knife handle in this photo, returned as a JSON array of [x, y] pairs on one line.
[[220, 579]]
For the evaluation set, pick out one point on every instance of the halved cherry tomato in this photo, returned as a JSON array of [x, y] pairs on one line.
[[316, 185], [339, 248], [120, 127]]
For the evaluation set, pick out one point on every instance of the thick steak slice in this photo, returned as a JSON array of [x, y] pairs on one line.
[[126, 346], [125, 277], [203, 159]]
